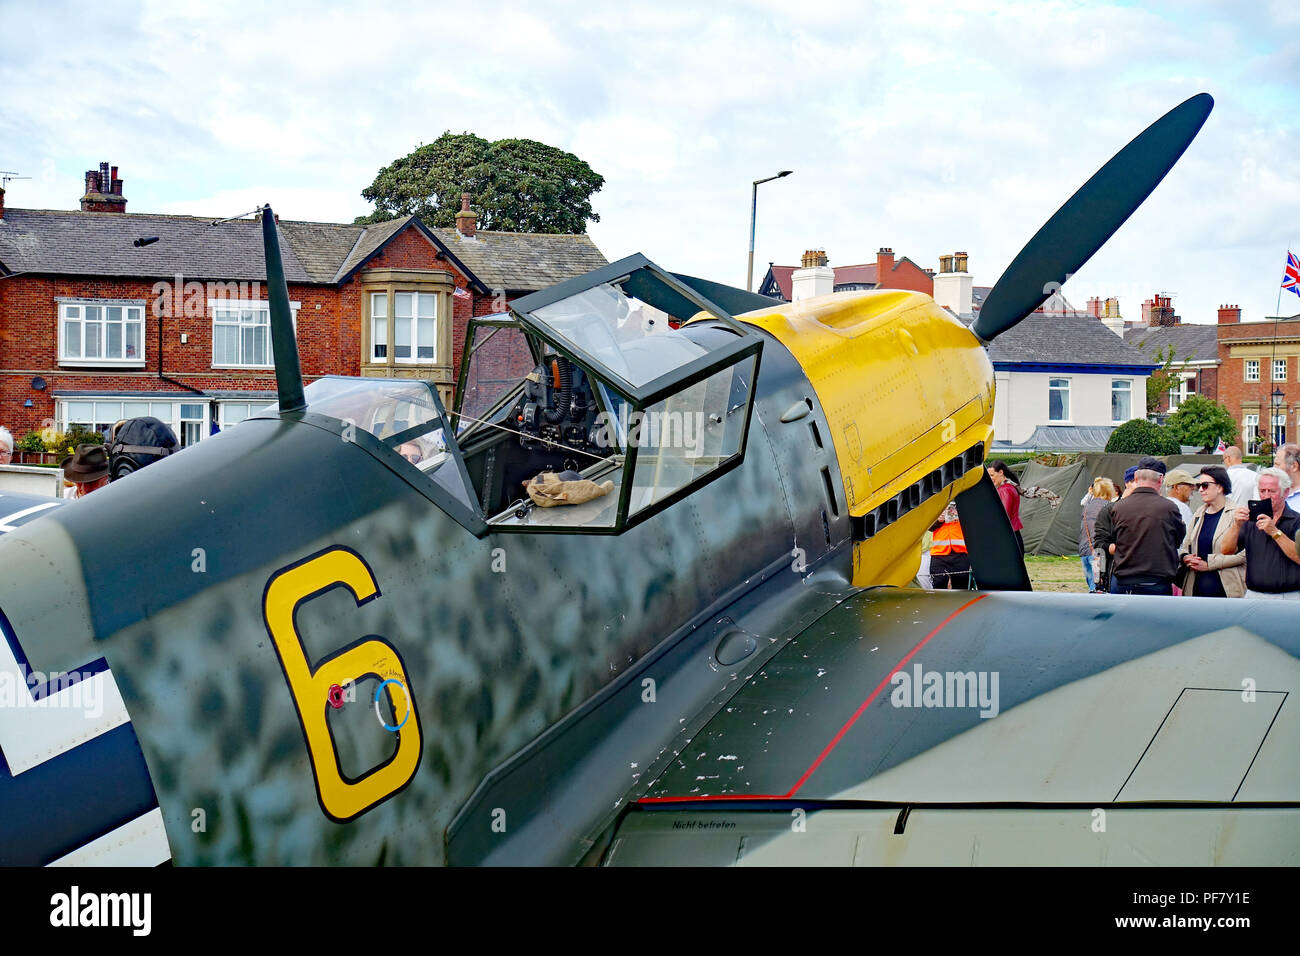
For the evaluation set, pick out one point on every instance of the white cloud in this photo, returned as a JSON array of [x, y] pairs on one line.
[[927, 127]]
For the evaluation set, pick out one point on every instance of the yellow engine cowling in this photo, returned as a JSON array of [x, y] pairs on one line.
[[906, 389]]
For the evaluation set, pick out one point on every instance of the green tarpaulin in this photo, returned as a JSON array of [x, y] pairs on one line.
[[1055, 531]]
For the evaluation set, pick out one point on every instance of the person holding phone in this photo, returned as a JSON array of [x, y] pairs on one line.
[[1212, 572], [1266, 531]]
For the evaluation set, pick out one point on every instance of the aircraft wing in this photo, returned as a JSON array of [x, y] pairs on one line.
[[18, 509], [964, 727]]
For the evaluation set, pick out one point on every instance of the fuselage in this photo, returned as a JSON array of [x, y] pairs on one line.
[[207, 601]]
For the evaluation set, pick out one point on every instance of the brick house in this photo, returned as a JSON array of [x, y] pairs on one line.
[[1196, 358], [106, 314], [884, 273], [1259, 375]]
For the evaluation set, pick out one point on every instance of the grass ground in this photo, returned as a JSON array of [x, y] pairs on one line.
[[1055, 574]]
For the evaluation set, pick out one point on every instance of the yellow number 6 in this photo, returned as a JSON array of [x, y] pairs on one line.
[[341, 799]]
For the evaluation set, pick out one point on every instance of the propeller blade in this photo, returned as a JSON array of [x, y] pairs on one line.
[[734, 301], [995, 558], [1090, 217], [288, 373]]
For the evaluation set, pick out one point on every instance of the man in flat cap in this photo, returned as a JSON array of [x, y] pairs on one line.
[[87, 469], [1181, 484]]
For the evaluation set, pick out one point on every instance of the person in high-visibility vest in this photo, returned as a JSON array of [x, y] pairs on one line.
[[949, 561]]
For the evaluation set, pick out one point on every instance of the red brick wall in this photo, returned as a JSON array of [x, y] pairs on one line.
[[1233, 389], [409, 249], [904, 275], [329, 342]]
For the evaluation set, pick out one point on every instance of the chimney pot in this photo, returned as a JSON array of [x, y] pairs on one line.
[[2, 204], [1229, 315], [103, 191]]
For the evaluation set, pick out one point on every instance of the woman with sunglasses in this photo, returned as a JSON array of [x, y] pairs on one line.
[[1212, 571]]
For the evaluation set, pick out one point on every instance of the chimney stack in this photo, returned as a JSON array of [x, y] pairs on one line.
[[953, 286], [1162, 312], [2, 204], [466, 221], [1229, 314], [884, 264], [814, 278], [103, 191], [1107, 310]]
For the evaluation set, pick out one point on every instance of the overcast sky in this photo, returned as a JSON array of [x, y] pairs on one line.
[[929, 128]]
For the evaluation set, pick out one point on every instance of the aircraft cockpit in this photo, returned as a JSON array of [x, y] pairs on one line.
[[588, 407], [597, 386]]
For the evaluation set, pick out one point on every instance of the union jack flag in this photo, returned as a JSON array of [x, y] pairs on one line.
[[1291, 280]]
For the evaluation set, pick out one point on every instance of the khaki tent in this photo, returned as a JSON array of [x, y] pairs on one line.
[[1051, 530], [1055, 531]]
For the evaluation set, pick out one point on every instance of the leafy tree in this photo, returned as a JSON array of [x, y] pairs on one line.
[[1201, 421], [1141, 437], [1162, 379], [516, 185]]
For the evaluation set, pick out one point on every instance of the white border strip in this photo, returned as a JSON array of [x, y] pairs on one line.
[[142, 842]]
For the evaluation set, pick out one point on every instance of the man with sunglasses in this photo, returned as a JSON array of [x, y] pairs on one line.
[[1272, 565]]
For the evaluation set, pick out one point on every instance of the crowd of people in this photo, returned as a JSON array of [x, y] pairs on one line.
[[1241, 542]]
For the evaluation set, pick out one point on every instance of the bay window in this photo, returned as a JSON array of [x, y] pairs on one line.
[[414, 327]]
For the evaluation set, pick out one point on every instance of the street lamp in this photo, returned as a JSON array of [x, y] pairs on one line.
[[1278, 397], [753, 214]]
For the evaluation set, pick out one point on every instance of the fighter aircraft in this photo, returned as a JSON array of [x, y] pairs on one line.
[[346, 631]]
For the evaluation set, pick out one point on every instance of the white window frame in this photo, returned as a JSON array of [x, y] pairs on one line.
[[1180, 394], [137, 305], [172, 418], [254, 406], [1068, 410], [413, 342], [1249, 429], [375, 322], [1115, 384], [258, 305], [1248, 366], [1282, 362]]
